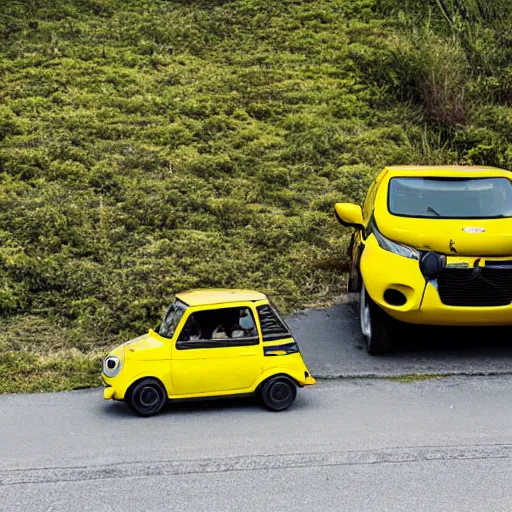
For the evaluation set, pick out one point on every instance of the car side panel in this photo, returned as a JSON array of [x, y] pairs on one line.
[[211, 370], [358, 242], [279, 357], [205, 371], [284, 356]]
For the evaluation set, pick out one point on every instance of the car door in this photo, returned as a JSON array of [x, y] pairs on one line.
[[212, 355]]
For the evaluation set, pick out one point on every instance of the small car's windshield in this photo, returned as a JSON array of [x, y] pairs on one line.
[[171, 318], [454, 198]]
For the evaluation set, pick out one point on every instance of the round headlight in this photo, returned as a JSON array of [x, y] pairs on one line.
[[111, 366]]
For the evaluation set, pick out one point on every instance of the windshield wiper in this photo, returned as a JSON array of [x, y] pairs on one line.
[[430, 209]]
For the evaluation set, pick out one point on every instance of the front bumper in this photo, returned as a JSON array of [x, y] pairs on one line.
[[383, 270], [434, 312], [109, 392]]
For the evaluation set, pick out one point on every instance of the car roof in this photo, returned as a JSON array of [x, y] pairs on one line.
[[204, 297], [450, 170]]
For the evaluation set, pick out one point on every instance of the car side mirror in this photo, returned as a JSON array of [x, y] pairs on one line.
[[349, 215]]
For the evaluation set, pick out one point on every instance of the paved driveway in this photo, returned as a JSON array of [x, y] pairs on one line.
[[332, 347]]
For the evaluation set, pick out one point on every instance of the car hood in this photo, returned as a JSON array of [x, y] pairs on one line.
[[470, 237], [146, 347]]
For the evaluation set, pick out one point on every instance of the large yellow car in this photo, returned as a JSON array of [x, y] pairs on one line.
[[431, 246], [210, 343]]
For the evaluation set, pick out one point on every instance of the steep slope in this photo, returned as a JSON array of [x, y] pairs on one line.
[[152, 146]]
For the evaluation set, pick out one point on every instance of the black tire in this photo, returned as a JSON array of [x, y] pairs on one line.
[[352, 303], [146, 397], [377, 327], [278, 393]]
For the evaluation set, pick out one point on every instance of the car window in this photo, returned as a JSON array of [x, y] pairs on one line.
[[453, 198], [219, 327], [171, 319], [273, 327]]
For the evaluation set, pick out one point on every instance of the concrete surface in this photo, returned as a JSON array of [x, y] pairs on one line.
[[332, 347], [345, 445]]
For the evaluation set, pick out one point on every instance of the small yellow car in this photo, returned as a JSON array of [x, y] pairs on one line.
[[210, 343], [431, 246]]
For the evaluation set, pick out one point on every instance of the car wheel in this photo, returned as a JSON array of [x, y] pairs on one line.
[[146, 397], [277, 393], [350, 294], [376, 325]]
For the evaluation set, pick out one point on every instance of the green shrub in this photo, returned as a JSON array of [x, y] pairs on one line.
[[149, 147]]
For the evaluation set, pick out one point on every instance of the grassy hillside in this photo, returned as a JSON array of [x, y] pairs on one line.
[[152, 146]]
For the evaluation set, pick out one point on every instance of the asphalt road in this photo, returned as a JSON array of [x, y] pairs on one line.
[[349, 444], [357, 444], [332, 347]]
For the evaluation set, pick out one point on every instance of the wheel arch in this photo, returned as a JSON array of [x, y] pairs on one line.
[[279, 375], [142, 377], [355, 277]]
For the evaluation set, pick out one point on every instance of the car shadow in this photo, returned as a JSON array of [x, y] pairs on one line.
[[489, 341], [118, 409], [213, 404], [331, 343]]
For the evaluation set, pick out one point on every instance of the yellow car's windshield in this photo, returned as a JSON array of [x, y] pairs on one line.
[[171, 318], [450, 198]]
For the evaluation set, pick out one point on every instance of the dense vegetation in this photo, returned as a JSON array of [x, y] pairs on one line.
[[149, 146]]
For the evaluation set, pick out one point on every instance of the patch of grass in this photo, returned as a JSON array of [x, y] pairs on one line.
[[152, 146], [416, 377], [36, 355], [28, 372]]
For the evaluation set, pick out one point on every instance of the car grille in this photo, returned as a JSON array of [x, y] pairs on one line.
[[485, 286]]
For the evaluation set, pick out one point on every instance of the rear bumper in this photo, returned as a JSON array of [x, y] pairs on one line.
[[309, 381]]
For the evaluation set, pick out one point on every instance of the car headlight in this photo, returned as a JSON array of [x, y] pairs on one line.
[[394, 247], [111, 366]]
